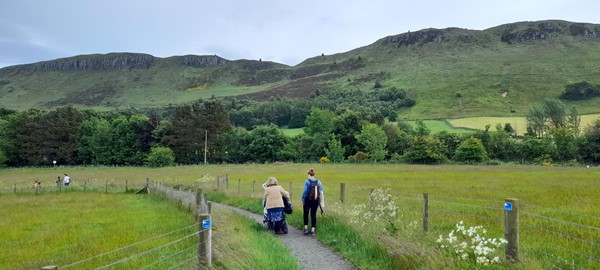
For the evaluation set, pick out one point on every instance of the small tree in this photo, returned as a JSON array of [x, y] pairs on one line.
[[160, 156], [471, 151], [335, 151]]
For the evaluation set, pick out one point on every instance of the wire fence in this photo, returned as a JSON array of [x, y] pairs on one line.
[[553, 238]]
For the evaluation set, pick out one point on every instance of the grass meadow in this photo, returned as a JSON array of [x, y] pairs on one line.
[[519, 124], [559, 218], [77, 230]]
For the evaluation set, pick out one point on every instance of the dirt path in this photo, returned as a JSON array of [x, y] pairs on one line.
[[309, 252]]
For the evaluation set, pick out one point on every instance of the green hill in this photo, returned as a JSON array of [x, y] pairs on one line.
[[450, 73]]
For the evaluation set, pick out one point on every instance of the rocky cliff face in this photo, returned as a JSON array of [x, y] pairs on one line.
[[88, 62], [419, 37], [113, 61], [202, 60]]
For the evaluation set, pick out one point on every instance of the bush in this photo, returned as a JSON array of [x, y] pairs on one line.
[[160, 156], [471, 151], [324, 160], [359, 156]]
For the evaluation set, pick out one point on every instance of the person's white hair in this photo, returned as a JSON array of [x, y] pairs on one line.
[[272, 181]]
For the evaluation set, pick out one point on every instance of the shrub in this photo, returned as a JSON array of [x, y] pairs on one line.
[[471, 151], [359, 156], [324, 160], [160, 156]]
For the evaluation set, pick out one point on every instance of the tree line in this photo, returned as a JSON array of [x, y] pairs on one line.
[[207, 130]]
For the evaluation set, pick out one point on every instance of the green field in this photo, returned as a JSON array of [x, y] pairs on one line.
[[437, 126], [558, 211], [519, 124]]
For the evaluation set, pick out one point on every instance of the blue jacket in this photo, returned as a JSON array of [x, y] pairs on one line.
[[307, 186]]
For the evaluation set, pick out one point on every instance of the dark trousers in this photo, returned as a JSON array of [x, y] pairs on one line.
[[312, 207]]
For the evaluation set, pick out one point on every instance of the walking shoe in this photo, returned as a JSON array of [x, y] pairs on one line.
[[306, 231], [313, 233]]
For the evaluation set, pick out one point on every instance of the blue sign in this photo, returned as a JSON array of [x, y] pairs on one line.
[[206, 224], [507, 206]]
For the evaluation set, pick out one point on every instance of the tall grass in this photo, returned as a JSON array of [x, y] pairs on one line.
[[473, 194]]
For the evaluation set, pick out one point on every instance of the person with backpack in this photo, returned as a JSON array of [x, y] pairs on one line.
[[312, 198]]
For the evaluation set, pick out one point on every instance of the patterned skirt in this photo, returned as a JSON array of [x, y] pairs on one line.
[[275, 214]]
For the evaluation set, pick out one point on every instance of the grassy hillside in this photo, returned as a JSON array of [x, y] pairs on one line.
[[451, 73]]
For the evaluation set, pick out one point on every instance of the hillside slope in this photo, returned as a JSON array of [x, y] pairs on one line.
[[450, 72]]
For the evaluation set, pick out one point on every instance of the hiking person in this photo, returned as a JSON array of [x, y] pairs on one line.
[[273, 202], [312, 198]]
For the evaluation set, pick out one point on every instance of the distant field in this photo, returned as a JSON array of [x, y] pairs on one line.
[[518, 123], [437, 126], [292, 132]]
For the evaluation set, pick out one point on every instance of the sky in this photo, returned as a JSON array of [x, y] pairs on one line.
[[282, 31]]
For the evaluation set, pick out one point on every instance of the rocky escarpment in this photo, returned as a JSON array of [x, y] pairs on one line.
[[88, 62], [112, 61], [419, 37], [515, 33], [202, 60], [540, 31], [583, 30]]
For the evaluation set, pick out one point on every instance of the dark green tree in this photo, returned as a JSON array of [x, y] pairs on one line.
[[345, 128], [49, 136], [234, 145], [424, 150], [590, 146], [266, 143]]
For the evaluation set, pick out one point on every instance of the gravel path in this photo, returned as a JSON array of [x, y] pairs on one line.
[[309, 252]]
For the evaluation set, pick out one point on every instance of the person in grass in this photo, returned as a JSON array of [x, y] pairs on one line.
[[273, 200], [312, 198]]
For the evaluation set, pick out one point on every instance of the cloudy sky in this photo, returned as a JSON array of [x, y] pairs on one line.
[[277, 30]]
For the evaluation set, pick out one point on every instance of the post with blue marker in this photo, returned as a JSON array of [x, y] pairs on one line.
[[204, 245], [511, 229]]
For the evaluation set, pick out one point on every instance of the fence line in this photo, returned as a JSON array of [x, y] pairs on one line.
[[170, 256], [148, 251], [130, 245], [563, 221]]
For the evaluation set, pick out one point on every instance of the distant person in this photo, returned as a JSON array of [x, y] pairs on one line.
[[67, 180], [312, 198]]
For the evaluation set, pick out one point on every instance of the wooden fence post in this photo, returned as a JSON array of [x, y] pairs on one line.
[[204, 245], [342, 192], [85, 185], [425, 212], [371, 200], [209, 205], [511, 229], [126, 185]]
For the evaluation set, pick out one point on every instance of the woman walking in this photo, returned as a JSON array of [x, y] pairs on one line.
[[312, 197]]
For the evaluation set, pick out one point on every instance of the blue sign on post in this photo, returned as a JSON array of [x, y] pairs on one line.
[[507, 206], [206, 224]]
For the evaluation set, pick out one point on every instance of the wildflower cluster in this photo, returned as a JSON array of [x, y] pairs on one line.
[[383, 207], [471, 243], [205, 179]]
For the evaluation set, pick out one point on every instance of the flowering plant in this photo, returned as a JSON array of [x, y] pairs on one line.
[[472, 243]]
